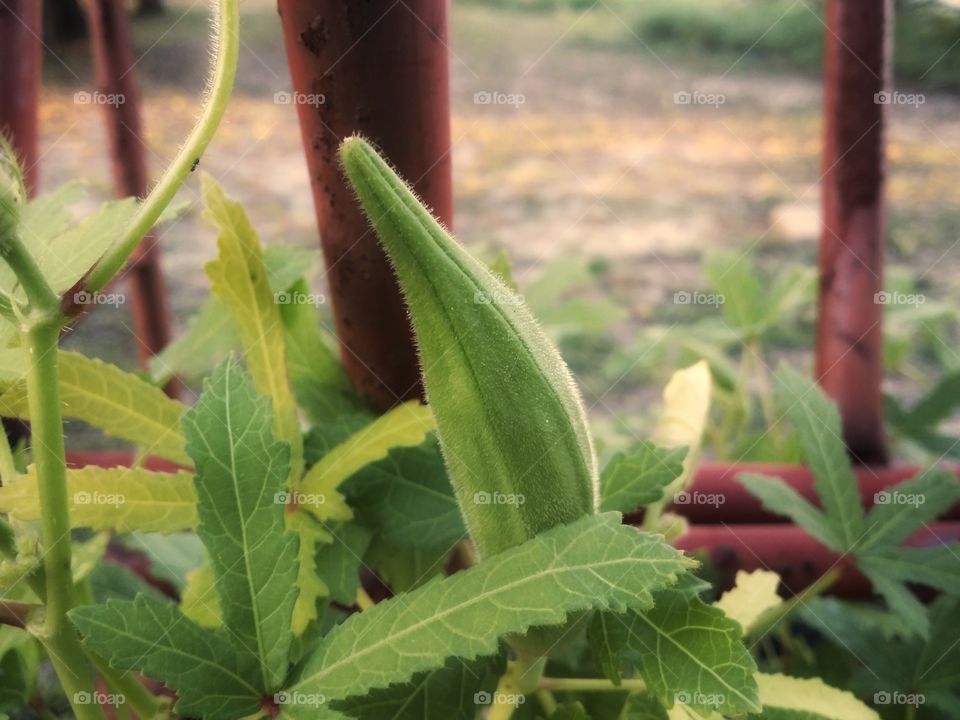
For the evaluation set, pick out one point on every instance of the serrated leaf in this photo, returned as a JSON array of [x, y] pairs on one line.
[[406, 568], [211, 678], [898, 596], [121, 499], [310, 586], [689, 652], [937, 566], [404, 425], [407, 498], [211, 333], [447, 693], [339, 562], [119, 403], [537, 583], [791, 698], [630, 480], [65, 255], [753, 595], [319, 381], [781, 499], [200, 601], [239, 278], [607, 636], [817, 424], [241, 472], [901, 510], [48, 216]]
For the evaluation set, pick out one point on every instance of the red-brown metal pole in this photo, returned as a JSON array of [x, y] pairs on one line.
[[119, 95], [21, 24], [380, 69], [849, 328]]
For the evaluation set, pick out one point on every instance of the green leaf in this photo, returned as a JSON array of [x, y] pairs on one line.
[[211, 678], [319, 381], [339, 562], [691, 653], [65, 254], [119, 403], [570, 711], [448, 693], [791, 698], [817, 424], [406, 568], [509, 416], [310, 586], [121, 499], [407, 498], [48, 216], [752, 597], [200, 601], [239, 278], [898, 596], [937, 566], [781, 499], [632, 480], [607, 635], [241, 473], [406, 424], [900, 511], [538, 583], [211, 333]]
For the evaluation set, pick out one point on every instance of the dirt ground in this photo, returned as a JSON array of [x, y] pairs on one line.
[[597, 162]]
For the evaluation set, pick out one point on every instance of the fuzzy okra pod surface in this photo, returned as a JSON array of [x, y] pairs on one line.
[[509, 417]]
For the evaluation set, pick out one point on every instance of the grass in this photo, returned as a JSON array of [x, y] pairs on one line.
[[775, 34]]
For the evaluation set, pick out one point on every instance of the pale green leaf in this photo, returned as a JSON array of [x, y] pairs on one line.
[[404, 425], [119, 403], [241, 475], [817, 424], [310, 586], [631, 480], [211, 333], [239, 278], [594, 562], [751, 598], [211, 678], [200, 601], [121, 499], [791, 698], [686, 404]]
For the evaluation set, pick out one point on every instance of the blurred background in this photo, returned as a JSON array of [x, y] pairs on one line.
[[649, 167]]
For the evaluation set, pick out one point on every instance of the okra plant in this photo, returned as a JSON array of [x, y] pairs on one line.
[[462, 558]]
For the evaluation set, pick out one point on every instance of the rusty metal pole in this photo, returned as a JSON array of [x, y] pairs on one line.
[[849, 362], [112, 45], [21, 24], [378, 68]]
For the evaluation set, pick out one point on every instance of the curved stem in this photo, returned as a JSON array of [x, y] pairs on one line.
[[60, 640], [591, 685], [221, 84]]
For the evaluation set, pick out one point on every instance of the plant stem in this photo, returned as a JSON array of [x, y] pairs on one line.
[[43, 394], [521, 679], [40, 330], [591, 685], [547, 701], [221, 84], [364, 601]]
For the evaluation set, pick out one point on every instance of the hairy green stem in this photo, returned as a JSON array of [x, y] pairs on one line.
[[520, 679], [43, 394], [40, 329], [221, 84], [591, 685]]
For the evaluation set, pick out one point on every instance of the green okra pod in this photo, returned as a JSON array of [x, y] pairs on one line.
[[509, 417]]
